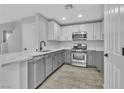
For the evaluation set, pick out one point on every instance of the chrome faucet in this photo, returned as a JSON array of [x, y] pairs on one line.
[[41, 48]]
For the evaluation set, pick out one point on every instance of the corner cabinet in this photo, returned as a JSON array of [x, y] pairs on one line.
[[68, 56], [53, 31], [95, 59]]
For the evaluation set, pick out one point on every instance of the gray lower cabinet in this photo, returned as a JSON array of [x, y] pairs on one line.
[[100, 60], [48, 65], [55, 61], [36, 72], [31, 74], [95, 59], [62, 56], [41, 67], [91, 58], [68, 56]]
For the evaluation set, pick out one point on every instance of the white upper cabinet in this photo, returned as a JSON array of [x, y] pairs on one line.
[[75, 28], [94, 31], [89, 29], [97, 31], [53, 31], [66, 33]]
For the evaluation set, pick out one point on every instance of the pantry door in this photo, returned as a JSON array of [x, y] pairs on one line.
[[114, 44]]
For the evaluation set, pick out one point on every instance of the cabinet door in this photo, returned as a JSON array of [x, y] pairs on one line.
[[62, 37], [83, 27], [97, 31], [102, 31], [89, 30], [94, 58], [99, 60], [55, 31], [58, 32], [29, 37], [69, 33], [75, 28], [63, 56], [50, 31], [48, 63], [68, 56], [39, 71], [66, 33], [31, 80], [89, 59], [55, 63], [60, 58]]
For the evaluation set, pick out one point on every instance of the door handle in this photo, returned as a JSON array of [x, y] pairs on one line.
[[106, 55]]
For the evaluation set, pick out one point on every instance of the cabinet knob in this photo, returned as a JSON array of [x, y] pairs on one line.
[[106, 54], [25, 48]]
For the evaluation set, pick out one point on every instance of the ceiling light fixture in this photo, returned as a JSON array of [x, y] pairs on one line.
[[63, 18], [80, 15], [68, 6]]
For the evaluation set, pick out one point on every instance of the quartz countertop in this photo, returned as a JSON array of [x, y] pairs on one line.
[[22, 56], [94, 50]]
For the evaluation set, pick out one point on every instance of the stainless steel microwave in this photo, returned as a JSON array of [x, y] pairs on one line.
[[76, 36]]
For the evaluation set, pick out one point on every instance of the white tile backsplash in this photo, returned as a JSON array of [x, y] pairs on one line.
[[52, 45], [91, 45]]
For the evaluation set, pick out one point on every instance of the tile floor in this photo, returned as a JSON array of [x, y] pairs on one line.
[[72, 77]]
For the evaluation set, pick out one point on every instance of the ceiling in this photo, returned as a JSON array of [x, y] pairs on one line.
[[90, 12]]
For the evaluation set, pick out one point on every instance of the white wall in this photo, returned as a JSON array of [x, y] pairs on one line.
[[15, 40]]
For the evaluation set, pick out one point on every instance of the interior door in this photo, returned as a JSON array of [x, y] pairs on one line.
[[114, 43]]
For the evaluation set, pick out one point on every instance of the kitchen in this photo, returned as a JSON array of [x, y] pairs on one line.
[[41, 49]]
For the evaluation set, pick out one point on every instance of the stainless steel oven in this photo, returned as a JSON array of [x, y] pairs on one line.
[[79, 55], [79, 58]]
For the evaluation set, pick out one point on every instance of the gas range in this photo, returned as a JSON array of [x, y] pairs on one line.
[[79, 55], [80, 48]]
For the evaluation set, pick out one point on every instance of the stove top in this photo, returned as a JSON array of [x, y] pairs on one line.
[[79, 50]]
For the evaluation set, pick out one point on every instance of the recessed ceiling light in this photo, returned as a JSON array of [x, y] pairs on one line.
[[80, 15], [63, 18]]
